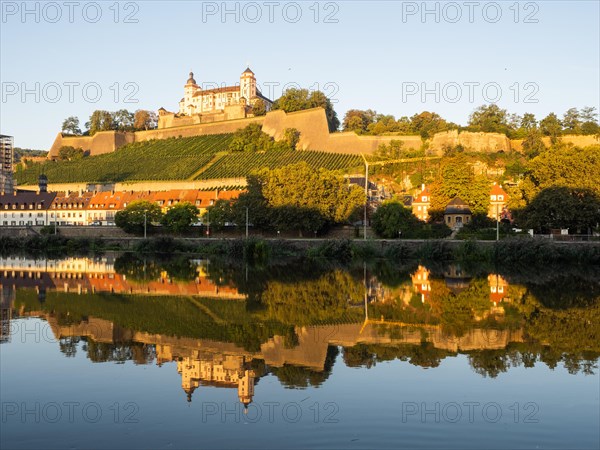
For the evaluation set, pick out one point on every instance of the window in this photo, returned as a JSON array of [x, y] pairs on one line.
[[501, 197], [494, 198]]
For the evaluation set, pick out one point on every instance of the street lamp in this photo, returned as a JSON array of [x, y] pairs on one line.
[[145, 221], [366, 195], [246, 222], [207, 222]]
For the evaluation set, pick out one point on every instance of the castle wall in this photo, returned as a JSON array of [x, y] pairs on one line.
[[99, 143], [472, 142], [314, 134], [575, 139]]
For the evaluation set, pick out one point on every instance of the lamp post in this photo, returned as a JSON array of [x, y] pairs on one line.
[[497, 224], [246, 222], [207, 222], [145, 222], [366, 195]]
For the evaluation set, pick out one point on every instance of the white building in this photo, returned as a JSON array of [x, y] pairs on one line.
[[198, 101]]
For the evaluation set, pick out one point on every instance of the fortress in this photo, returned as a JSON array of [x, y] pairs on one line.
[[227, 109]]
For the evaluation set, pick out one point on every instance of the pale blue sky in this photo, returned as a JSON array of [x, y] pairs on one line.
[[371, 56]]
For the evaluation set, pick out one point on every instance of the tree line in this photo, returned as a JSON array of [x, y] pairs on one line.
[[121, 120], [486, 118]]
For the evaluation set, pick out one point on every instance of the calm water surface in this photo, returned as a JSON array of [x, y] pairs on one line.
[[127, 352]]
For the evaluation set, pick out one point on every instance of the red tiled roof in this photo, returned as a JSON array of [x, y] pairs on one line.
[[497, 190], [220, 90]]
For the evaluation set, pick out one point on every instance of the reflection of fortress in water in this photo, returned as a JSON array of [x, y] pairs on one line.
[[226, 365], [205, 362]]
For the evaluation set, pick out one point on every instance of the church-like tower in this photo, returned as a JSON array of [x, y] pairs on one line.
[[189, 90], [248, 85]]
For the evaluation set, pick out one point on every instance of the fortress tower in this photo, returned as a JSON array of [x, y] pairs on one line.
[[248, 85]]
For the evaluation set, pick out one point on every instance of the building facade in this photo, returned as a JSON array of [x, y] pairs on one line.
[[421, 204], [457, 213], [6, 164], [25, 208], [31, 208], [209, 101]]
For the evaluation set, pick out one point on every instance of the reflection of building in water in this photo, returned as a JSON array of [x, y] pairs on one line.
[[420, 281], [456, 280], [7, 298], [204, 362], [217, 370], [498, 288], [87, 275]]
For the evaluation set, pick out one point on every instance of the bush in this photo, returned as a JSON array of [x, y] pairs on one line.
[[340, 250], [436, 251]]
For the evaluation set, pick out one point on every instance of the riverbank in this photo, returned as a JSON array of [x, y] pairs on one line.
[[518, 250]]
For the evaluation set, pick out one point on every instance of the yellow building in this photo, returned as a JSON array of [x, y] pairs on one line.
[[421, 204]]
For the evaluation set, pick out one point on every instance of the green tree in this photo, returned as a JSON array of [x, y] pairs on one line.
[[572, 121], [427, 124], [490, 119], [393, 150], [552, 127], [145, 120], [562, 207], [391, 219], [71, 126], [358, 120], [528, 121], [590, 124], [565, 166], [180, 217], [300, 99], [300, 186], [291, 137], [100, 120], [251, 139], [123, 120], [259, 108], [131, 219], [219, 214], [456, 179], [533, 144], [69, 153]]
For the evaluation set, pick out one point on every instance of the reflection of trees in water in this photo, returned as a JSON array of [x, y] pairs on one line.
[[322, 300], [68, 345], [295, 377], [491, 363], [148, 268], [368, 355], [120, 352]]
